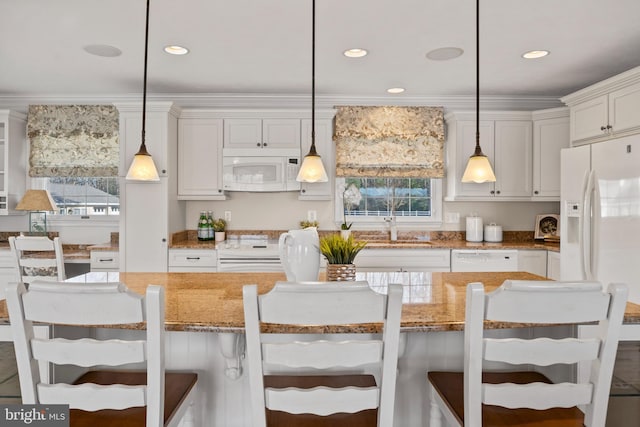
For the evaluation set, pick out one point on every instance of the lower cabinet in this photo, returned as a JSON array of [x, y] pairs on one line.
[[193, 260], [8, 270], [403, 260], [533, 261], [553, 265]]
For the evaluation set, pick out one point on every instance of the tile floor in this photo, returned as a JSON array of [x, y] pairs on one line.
[[9, 385]]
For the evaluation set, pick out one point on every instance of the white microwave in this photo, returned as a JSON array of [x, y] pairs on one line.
[[260, 170]]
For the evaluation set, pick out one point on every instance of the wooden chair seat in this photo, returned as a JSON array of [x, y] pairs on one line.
[[285, 419], [178, 385], [450, 386]]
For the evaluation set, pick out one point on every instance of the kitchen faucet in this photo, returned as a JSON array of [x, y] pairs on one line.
[[393, 230]]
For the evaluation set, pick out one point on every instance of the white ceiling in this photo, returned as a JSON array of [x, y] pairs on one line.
[[264, 46]]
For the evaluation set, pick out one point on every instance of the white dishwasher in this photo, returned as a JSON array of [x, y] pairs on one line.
[[483, 260]]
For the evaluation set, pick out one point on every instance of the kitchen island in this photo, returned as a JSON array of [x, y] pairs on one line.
[[204, 317]]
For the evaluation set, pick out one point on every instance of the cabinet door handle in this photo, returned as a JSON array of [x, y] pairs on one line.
[[498, 192], [536, 192], [105, 260], [195, 258], [303, 191], [603, 128], [492, 192], [264, 144], [609, 127]]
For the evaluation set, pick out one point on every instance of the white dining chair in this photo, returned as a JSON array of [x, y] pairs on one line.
[[522, 397], [314, 390], [38, 258], [99, 397]]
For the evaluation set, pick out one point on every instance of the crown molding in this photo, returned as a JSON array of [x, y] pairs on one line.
[[276, 101]]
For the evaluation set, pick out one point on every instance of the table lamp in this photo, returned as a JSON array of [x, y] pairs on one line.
[[38, 203]]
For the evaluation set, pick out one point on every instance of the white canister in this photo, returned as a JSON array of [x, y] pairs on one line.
[[493, 233], [474, 229]]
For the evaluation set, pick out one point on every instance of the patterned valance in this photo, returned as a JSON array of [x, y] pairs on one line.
[[73, 140], [401, 142]]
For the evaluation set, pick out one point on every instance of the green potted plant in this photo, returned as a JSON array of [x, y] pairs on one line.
[[340, 254], [219, 226]]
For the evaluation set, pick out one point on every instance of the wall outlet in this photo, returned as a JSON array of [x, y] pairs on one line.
[[452, 217], [227, 216], [312, 215]]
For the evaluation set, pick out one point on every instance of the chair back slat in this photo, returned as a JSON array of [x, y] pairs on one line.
[[93, 397], [322, 400], [541, 351], [537, 395], [97, 305], [546, 303], [81, 304], [38, 258], [329, 304], [323, 303], [322, 354], [540, 302], [89, 352]]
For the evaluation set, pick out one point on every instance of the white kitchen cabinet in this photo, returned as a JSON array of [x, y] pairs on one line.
[[150, 211], [262, 133], [550, 135], [324, 147], [200, 141], [12, 159], [553, 265], [393, 259], [105, 260], [533, 261], [506, 139], [606, 109], [193, 260]]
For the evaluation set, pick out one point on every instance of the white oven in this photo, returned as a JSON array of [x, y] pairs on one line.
[[249, 254], [259, 170]]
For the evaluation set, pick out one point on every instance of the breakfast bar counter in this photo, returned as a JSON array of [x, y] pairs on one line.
[[212, 302]]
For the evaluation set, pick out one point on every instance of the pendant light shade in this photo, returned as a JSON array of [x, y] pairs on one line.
[[142, 167], [312, 169], [479, 168]]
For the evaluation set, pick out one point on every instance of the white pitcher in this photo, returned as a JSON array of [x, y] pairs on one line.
[[300, 254]]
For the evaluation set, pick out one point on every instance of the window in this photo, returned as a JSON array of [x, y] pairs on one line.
[[409, 200], [86, 196]]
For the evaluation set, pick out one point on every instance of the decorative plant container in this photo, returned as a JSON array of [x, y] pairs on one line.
[[341, 272]]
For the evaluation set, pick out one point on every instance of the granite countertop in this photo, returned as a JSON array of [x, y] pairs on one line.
[[188, 239], [212, 302]]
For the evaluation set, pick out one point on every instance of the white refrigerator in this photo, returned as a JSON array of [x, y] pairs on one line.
[[600, 213], [600, 239]]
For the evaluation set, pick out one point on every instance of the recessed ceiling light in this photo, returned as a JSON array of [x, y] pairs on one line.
[[534, 54], [355, 53], [176, 50], [102, 50], [395, 90], [445, 53]]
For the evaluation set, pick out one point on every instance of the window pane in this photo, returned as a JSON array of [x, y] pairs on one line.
[[391, 196], [85, 195]]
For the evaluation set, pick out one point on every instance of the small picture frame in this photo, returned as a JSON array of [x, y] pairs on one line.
[[547, 226]]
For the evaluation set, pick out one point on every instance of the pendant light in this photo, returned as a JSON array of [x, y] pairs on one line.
[[478, 167], [142, 167], [312, 169]]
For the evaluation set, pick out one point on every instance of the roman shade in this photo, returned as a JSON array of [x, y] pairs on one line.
[[394, 142], [73, 140]]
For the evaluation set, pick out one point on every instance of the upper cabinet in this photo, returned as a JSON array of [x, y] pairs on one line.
[[200, 141], [550, 135], [506, 138], [606, 109], [262, 133], [12, 159]]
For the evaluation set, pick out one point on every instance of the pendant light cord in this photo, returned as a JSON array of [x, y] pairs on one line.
[[143, 147], [478, 150], [312, 150]]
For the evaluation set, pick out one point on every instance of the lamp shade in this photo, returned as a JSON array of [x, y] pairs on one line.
[[312, 170], [37, 200], [478, 170], [142, 169]]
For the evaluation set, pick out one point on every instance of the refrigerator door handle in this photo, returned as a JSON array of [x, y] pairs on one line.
[[585, 229], [595, 228]]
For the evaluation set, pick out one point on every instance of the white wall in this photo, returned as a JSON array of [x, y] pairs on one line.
[[283, 211]]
